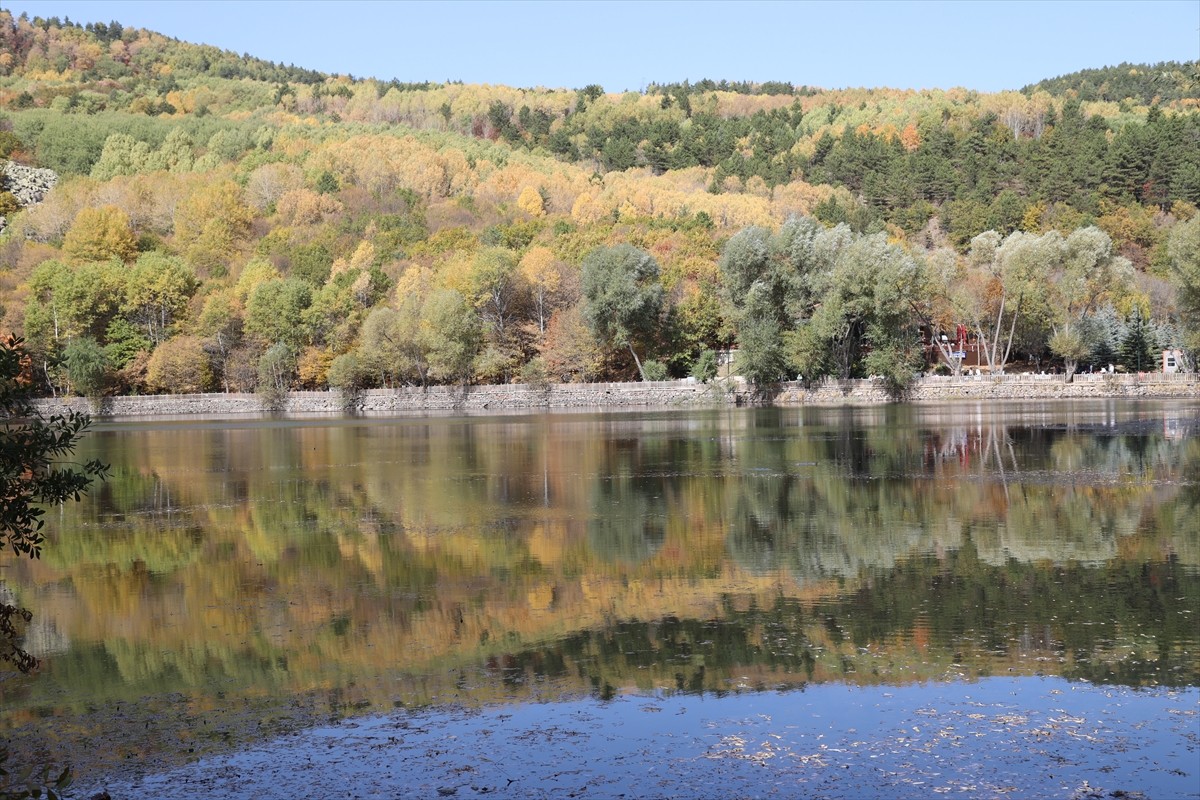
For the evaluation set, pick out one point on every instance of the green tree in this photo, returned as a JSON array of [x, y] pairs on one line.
[[761, 357], [862, 306], [327, 183], [413, 339], [175, 154], [157, 291], [656, 370], [451, 329], [381, 348], [963, 220], [86, 365], [122, 155], [276, 372], [704, 369], [1183, 248], [1001, 274], [66, 302], [124, 342], [496, 286], [766, 290], [1087, 273], [346, 373], [1137, 350], [1071, 346], [746, 262], [337, 309], [275, 311], [622, 296], [499, 292], [220, 327]]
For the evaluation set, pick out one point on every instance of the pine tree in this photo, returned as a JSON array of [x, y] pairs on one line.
[[1104, 332], [1138, 344]]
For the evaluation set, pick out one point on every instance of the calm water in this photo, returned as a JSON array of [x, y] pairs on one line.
[[236, 581]]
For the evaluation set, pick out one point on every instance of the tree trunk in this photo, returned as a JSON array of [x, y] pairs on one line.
[[992, 353], [1012, 329], [637, 361], [946, 353], [49, 382]]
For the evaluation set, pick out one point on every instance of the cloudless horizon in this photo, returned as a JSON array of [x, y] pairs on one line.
[[985, 46]]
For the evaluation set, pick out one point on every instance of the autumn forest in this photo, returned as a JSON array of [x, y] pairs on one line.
[[223, 223]]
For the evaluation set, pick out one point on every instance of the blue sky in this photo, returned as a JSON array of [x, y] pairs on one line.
[[987, 46]]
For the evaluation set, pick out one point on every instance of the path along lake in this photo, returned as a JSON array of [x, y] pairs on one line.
[[969, 600]]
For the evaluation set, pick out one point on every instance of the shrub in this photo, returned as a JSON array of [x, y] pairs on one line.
[[179, 366], [704, 369], [655, 370]]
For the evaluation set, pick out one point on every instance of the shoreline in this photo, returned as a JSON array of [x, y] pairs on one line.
[[685, 393]]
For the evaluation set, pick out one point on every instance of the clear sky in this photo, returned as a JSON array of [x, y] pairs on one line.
[[987, 46]]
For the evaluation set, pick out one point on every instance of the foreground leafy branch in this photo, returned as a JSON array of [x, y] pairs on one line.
[[33, 475], [32, 472]]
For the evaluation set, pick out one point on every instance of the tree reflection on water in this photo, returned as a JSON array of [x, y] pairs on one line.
[[419, 562]]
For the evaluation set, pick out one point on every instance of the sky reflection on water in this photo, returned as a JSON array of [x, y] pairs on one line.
[[1023, 737]]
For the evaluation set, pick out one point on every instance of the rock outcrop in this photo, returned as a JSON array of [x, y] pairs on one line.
[[27, 184]]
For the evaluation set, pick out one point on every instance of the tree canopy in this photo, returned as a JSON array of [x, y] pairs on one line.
[[211, 206]]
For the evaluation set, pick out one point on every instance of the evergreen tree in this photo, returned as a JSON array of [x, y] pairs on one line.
[[1138, 349], [1102, 330]]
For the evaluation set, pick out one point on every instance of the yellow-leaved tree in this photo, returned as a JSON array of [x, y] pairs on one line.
[[210, 223], [98, 234], [530, 201], [543, 272]]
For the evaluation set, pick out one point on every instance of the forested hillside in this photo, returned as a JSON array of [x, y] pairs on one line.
[[222, 223]]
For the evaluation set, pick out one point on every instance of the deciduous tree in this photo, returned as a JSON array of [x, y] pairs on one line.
[[157, 291], [1183, 248], [543, 272], [571, 352], [98, 234], [275, 311], [66, 302], [86, 365], [452, 329], [1001, 273], [622, 296], [179, 366], [1087, 274]]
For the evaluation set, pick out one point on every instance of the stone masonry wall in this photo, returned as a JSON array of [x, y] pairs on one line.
[[997, 387], [663, 394]]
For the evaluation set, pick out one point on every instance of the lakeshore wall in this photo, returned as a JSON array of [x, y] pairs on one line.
[[660, 394]]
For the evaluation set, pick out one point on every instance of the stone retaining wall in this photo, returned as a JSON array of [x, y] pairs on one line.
[[995, 387], [662, 394]]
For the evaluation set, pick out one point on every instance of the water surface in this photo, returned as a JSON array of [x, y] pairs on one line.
[[238, 581]]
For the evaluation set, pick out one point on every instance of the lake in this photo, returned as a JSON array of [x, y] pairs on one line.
[[966, 599]]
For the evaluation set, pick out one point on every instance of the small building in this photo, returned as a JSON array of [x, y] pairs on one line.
[[1172, 360]]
